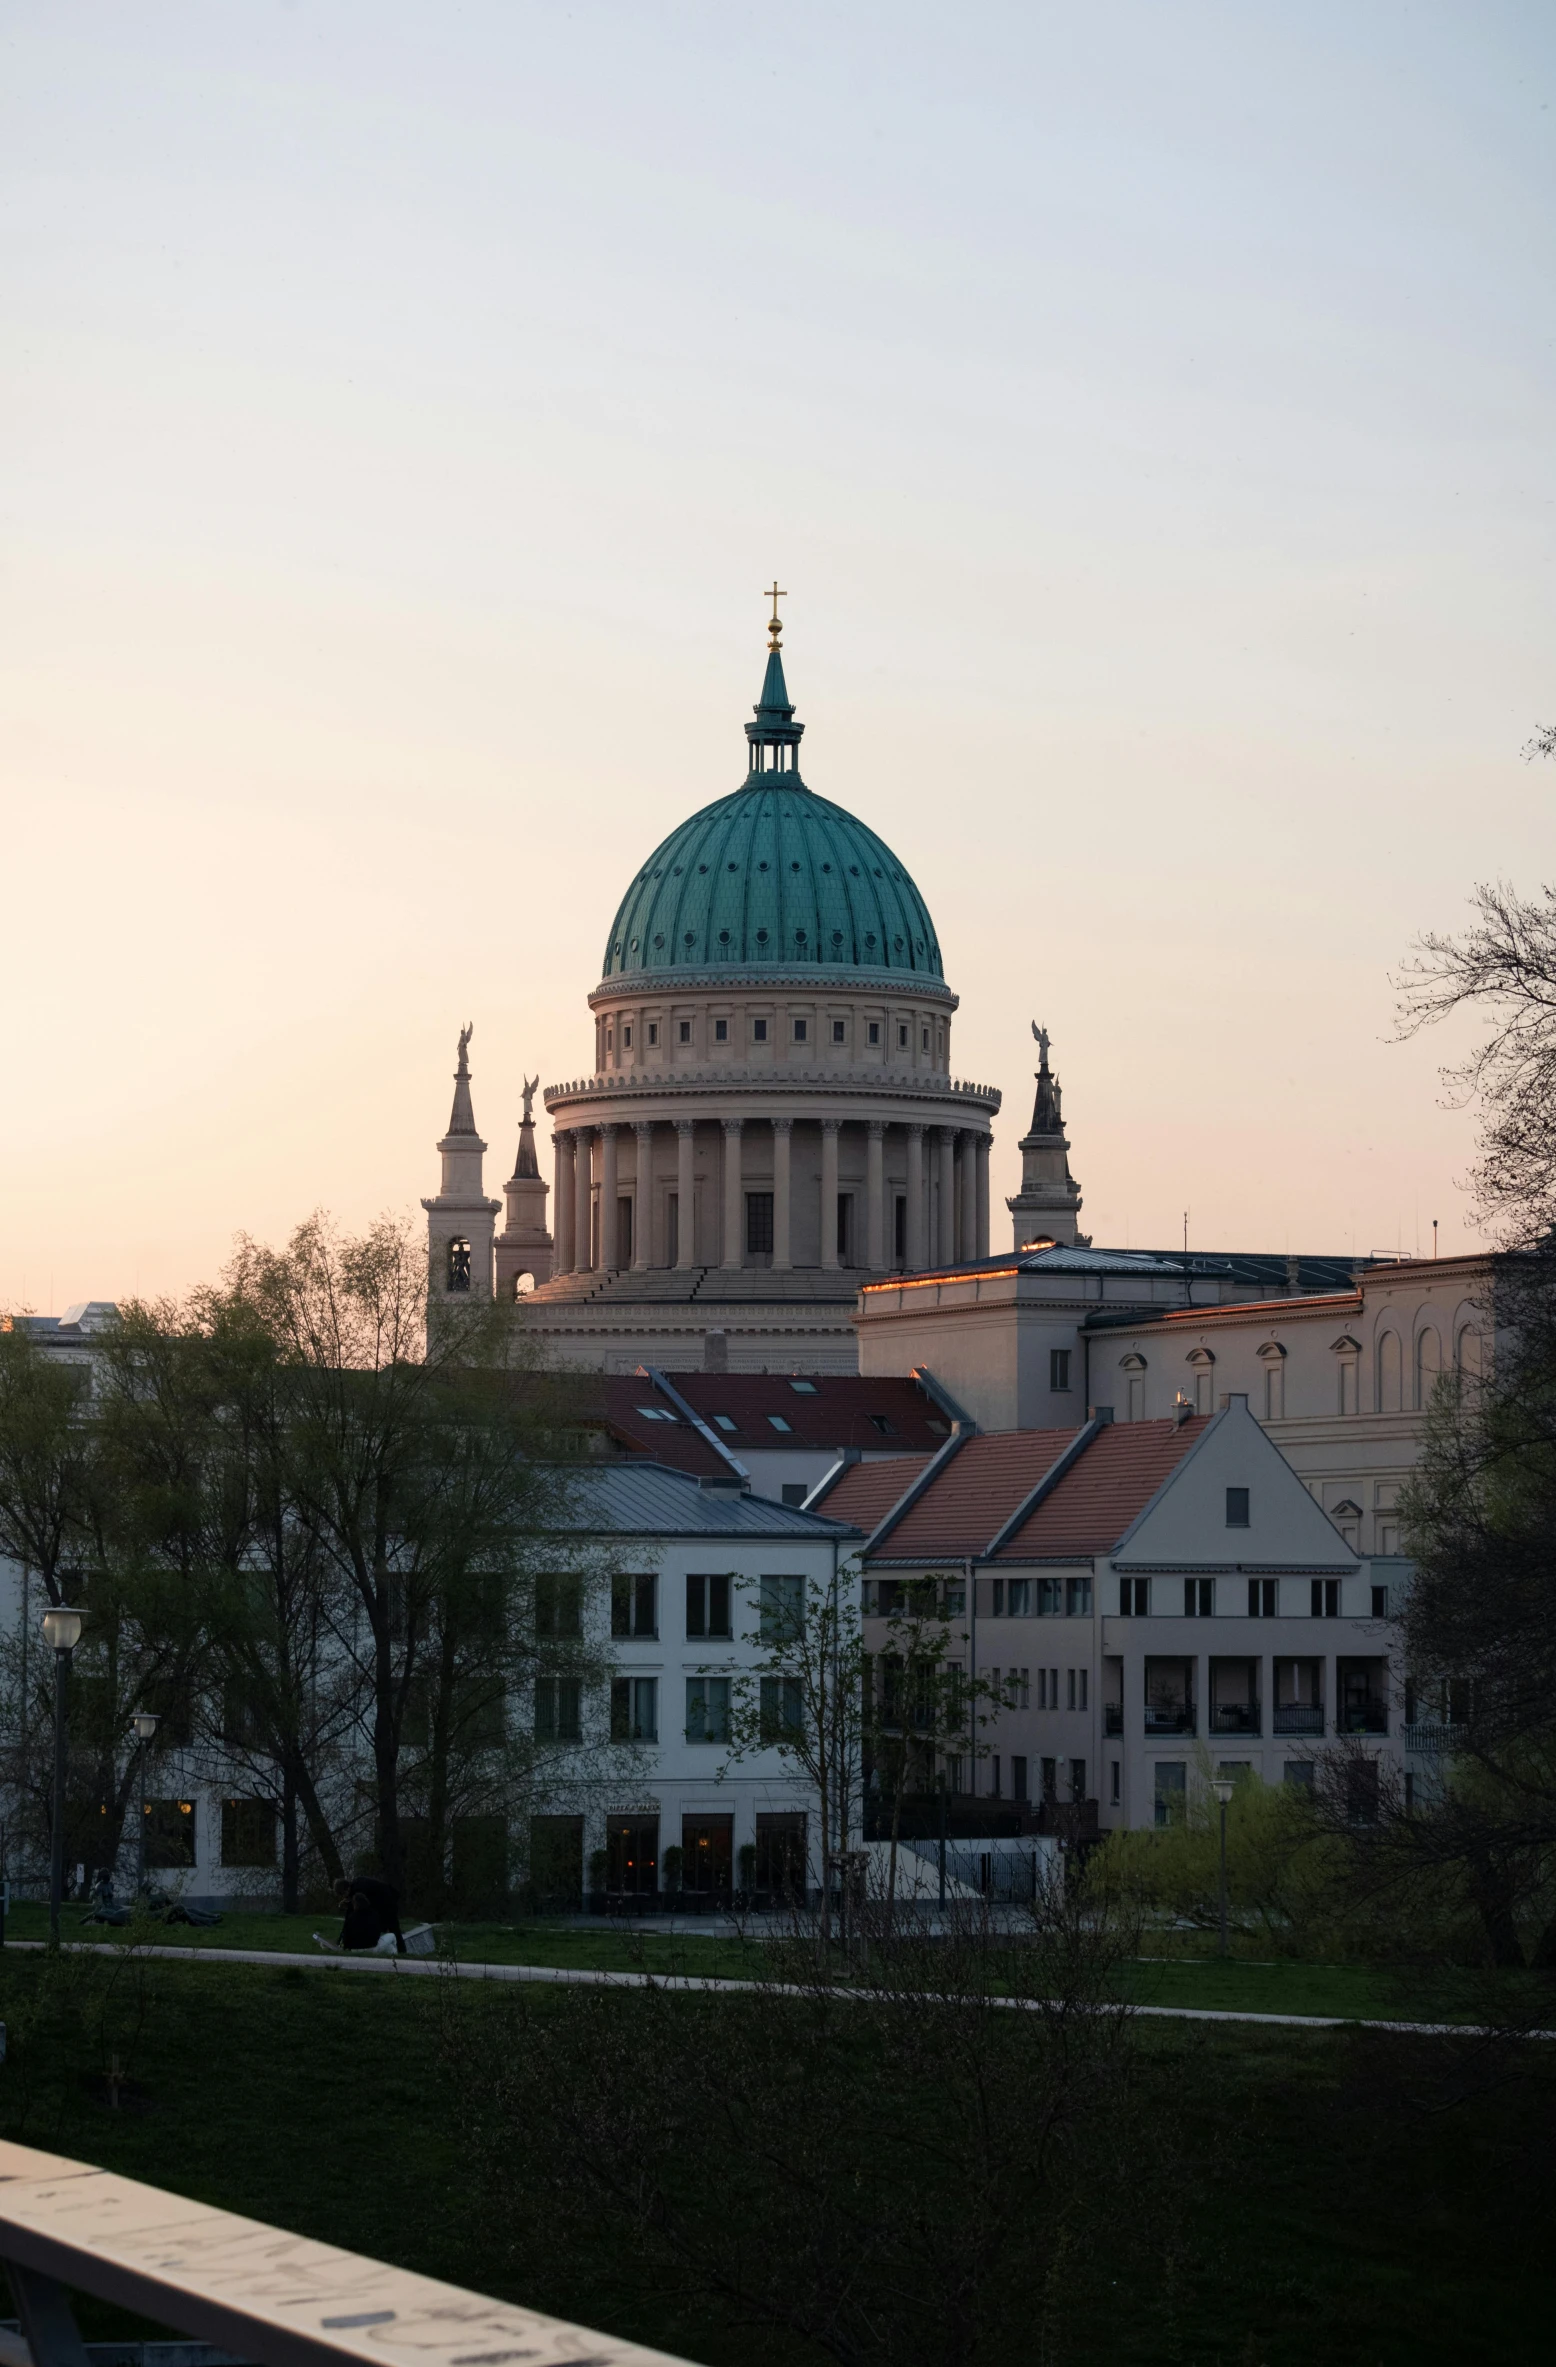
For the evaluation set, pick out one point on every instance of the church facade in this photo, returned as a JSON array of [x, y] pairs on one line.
[[770, 1116]]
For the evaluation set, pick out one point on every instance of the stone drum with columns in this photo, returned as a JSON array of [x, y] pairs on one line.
[[771, 1114]]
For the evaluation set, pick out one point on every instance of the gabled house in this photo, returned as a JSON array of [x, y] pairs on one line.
[[1143, 1599]]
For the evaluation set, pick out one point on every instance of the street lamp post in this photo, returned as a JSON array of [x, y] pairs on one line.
[[1222, 1787], [145, 1724], [62, 1633]]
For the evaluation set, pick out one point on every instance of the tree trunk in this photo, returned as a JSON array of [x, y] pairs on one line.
[[386, 1752], [439, 1738], [319, 1832], [1492, 1889], [289, 1884]]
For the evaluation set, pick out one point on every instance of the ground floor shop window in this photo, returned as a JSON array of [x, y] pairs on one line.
[[707, 1854], [248, 1833], [780, 1854], [632, 1855], [170, 1834], [556, 1862]]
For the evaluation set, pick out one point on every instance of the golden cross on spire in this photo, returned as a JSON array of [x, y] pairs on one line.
[[774, 622]]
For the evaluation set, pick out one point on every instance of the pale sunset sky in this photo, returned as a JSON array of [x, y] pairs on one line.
[[1147, 408]]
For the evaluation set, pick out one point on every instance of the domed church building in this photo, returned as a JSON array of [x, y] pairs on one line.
[[770, 1117]]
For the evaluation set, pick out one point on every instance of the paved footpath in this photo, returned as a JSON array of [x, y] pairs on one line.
[[451, 1968]]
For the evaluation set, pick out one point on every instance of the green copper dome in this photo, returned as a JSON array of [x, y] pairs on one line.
[[772, 878]]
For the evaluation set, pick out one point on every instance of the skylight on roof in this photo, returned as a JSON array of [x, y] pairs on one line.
[[880, 1423], [656, 1413], [725, 1422], [803, 1388], [779, 1423]]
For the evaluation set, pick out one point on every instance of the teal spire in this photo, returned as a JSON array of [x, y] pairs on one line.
[[774, 737]]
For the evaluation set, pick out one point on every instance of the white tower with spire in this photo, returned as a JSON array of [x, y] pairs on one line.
[[1049, 1200], [525, 1249], [461, 1219]]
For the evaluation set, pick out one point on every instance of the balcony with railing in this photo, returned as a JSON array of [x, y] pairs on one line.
[[1299, 1697], [1299, 1717], [1169, 1697], [1362, 1702], [1235, 1717], [1234, 1697], [1432, 1736]]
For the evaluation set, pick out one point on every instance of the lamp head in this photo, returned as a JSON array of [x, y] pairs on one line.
[[1223, 1788], [145, 1724], [62, 1628]]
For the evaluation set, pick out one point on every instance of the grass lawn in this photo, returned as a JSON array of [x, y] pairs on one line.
[[1340, 2218], [1183, 1977]]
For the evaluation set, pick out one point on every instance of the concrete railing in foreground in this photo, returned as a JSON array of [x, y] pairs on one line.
[[279, 2300]]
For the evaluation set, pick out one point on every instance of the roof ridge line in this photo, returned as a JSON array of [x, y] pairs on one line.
[[916, 1489], [1064, 1462]]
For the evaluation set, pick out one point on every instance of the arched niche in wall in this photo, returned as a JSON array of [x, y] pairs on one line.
[[1202, 1367], [1391, 1368], [1272, 1360], [1429, 1362], [1347, 1355]]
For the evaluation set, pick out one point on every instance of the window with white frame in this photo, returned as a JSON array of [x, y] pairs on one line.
[[707, 1709]]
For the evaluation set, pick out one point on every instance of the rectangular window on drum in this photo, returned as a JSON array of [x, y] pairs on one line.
[[759, 1223]]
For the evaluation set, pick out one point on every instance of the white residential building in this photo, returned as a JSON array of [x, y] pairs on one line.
[[1146, 1598]]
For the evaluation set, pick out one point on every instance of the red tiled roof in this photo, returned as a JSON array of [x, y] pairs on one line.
[[978, 1490], [1108, 1486], [867, 1491], [828, 1409]]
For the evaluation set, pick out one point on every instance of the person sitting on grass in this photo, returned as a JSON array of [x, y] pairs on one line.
[[370, 1909]]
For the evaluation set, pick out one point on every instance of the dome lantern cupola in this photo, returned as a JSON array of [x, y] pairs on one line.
[[774, 738]]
